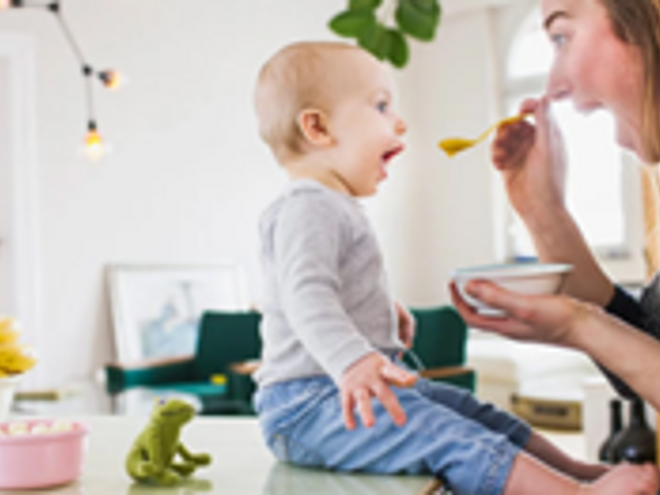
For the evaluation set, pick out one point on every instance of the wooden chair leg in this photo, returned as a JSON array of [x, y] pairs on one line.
[[433, 487]]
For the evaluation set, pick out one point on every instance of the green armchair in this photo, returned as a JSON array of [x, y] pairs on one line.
[[439, 346], [217, 374]]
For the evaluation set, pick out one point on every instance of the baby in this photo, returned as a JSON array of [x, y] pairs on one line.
[[332, 332]]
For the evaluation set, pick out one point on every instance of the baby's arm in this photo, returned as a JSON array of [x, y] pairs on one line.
[[406, 325], [308, 243], [369, 377]]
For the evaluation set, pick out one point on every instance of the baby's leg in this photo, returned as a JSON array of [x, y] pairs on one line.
[[626, 479], [529, 475], [469, 457], [544, 450], [467, 405], [519, 432]]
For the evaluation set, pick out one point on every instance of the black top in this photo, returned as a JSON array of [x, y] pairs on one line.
[[643, 314]]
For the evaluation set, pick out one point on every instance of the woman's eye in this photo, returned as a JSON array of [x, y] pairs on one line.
[[558, 40], [382, 106]]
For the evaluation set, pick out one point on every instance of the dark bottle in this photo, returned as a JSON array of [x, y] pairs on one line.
[[636, 442], [616, 425]]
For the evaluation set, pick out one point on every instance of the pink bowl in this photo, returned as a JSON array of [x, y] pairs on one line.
[[41, 460]]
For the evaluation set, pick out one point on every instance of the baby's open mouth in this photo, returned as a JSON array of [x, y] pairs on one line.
[[388, 155]]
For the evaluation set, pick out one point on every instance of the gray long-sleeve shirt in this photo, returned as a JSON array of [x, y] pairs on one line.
[[325, 303]]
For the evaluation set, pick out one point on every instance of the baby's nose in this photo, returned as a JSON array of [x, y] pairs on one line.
[[400, 127]]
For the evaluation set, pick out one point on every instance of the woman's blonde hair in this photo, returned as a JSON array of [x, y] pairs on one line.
[[638, 22]]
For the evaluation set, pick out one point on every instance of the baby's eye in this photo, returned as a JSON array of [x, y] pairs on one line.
[[382, 106]]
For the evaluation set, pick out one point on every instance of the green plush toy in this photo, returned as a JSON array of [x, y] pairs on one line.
[[151, 459]]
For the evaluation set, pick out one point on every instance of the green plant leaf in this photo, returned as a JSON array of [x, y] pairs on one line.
[[430, 6], [356, 5], [418, 18], [398, 48], [376, 40], [350, 24]]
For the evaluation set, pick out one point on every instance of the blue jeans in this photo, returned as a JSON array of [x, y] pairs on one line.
[[469, 445]]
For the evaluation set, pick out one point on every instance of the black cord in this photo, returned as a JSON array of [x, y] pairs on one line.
[[87, 71], [90, 98], [68, 34]]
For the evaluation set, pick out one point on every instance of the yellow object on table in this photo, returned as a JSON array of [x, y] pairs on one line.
[[15, 358], [219, 379]]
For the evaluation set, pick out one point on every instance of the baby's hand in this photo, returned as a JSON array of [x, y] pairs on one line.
[[370, 377]]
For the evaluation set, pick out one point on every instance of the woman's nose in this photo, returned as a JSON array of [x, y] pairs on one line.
[[557, 87]]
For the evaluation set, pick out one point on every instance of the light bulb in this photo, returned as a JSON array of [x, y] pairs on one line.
[[111, 79], [94, 148]]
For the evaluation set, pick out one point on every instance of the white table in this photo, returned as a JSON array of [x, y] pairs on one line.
[[241, 463]]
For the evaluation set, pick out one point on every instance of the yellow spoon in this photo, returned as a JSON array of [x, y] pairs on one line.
[[452, 146]]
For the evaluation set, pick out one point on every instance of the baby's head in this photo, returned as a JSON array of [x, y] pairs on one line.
[[330, 99]]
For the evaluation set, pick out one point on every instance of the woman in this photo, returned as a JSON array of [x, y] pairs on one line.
[[607, 56]]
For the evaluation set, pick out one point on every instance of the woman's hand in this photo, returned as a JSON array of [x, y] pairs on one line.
[[549, 319], [532, 162], [531, 159]]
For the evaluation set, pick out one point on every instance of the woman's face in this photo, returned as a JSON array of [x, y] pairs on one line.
[[593, 67]]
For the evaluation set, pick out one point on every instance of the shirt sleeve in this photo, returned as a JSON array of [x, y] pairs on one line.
[[642, 314], [309, 240]]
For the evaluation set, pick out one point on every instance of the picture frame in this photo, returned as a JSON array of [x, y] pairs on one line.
[[156, 309]]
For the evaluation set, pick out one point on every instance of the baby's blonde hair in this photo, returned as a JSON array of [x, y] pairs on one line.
[[296, 78]]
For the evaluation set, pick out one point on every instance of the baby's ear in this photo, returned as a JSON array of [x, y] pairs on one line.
[[314, 127]]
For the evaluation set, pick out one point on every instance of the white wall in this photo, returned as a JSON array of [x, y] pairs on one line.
[[188, 175], [440, 214], [5, 154]]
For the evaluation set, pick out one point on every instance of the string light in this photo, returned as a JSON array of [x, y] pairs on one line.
[[111, 79], [94, 147]]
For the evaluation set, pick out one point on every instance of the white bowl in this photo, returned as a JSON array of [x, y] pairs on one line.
[[524, 278]]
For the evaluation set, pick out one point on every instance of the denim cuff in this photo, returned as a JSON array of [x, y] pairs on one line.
[[521, 434], [494, 479]]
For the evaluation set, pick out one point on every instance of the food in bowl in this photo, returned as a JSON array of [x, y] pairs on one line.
[[524, 278], [40, 453]]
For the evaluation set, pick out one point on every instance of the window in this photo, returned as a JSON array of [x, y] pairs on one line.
[[597, 175]]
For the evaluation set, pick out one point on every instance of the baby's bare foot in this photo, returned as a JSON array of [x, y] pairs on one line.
[[625, 479]]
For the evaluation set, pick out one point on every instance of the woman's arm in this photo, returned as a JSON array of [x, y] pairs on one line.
[[628, 353], [532, 162], [558, 239], [632, 355]]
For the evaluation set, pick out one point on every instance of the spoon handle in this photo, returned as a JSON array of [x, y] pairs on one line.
[[501, 123]]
